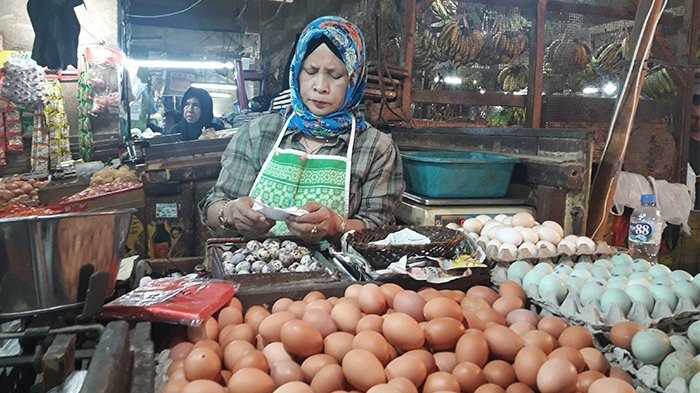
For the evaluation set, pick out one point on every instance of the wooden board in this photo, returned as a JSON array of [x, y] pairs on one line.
[[536, 80]]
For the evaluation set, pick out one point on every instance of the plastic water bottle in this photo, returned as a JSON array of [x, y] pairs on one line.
[[646, 228]]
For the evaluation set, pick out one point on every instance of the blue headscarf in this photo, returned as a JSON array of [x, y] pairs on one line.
[[350, 43]]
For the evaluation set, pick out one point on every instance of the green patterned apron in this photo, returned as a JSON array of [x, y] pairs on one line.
[[294, 178]]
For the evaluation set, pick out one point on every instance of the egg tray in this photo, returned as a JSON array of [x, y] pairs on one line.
[[214, 262], [445, 243]]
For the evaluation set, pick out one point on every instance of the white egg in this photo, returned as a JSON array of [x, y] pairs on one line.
[[555, 226], [472, 225], [523, 219], [529, 235], [517, 270], [501, 218], [527, 250], [572, 238], [507, 252], [566, 247], [508, 221], [483, 218], [681, 275], [453, 226], [585, 245], [489, 229], [549, 235], [509, 235], [546, 249]]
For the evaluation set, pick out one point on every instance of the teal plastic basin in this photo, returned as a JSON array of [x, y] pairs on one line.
[[449, 174]]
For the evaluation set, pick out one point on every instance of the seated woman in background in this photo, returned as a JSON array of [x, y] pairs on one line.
[[322, 155], [197, 115]]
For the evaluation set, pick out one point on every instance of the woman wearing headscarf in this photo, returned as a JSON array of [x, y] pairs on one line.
[[321, 155], [197, 115]]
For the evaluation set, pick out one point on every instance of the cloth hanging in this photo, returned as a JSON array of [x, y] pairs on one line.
[[56, 31]]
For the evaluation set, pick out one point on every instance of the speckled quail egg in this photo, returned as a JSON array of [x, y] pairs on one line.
[[244, 272], [276, 266], [306, 260], [250, 259], [263, 254], [286, 256], [289, 245], [271, 243], [253, 245], [245, 265], [229, 269], [298, 253], [266, 269], [257, 266], [226, 256], [237, 258]]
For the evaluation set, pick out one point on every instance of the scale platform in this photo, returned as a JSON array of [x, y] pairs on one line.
[[419, 210]]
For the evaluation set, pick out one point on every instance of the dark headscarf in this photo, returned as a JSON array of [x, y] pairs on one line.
[[192, 131]]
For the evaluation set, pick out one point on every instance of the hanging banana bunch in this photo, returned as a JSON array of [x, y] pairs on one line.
[[509, 45], [426, 42], [658, 84], [444, 9], [566, 55], [610, 58], [456, 44], [513, 78]]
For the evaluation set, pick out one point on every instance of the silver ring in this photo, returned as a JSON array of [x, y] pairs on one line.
[[314, 230]]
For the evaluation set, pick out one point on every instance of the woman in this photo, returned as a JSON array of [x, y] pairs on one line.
[[197, 115], [323, 157]]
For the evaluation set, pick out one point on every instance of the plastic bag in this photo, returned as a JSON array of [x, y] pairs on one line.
[[188, 300], [674, 202], [629, 191], [104, 74]]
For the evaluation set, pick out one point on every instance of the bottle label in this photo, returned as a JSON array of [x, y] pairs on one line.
[[641, 232]]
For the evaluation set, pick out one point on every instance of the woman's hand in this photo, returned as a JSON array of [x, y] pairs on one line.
[[248, 222], [320, 223]]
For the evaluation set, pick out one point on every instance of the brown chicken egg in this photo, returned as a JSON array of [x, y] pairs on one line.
[[505, 304], [353, 290], [445, 361], [250, 380], [540, 339], [522, 327], [174, 386], [300, 338], [202, 363], [181, 350], [370, 322], [622, 333], [390, 290], [294, 387], [242, 332], [255, 315], [595, 360], [230, 316], [346, 316], [576, 337], [610, 385], [482, 317], [522, 315], [207, 330], [234, 351], [442, 333], [572, 355], [586, 378], [313, 295], [329, 379], [372, 300], [552, 325], [236, 303], [210, 344], [283, 371], [252, 359], [483, 292], [473, 348], [528, 363], [511, 288], [424, 357], [203, 386], [321, 321], [179, 374], [298, 308], [503, 343], [616, 372], [403, 332], [408, 367], [441, 307], [429, 294], [453, 294], [519, 387], [362, 369], [275, 352], [384, 388], [403, 385], [469, 376], [281, 304], [441, 382], [315, 363], [175, 365], [373, 342], [489, 388], [338, 344], [271, 326], [410, 303], [321, 304], [557, 375], [500, 373]]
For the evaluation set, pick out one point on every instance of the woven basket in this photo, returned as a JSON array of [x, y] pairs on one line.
[[444, 244]]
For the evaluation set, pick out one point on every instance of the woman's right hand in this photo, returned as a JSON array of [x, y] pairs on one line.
[[248, 222]]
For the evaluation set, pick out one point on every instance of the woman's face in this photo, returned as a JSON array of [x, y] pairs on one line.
[[192, 111], [323, 82]]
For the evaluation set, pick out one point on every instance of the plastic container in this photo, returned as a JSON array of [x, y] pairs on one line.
[[447, 174]]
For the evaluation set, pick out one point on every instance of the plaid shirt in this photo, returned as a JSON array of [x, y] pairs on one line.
[[376, 174]]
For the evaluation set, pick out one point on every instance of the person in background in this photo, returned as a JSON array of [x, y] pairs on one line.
[[694, 148], [321, 156], [197, 115]]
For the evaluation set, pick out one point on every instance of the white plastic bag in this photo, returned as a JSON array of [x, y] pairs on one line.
[[629, 191]]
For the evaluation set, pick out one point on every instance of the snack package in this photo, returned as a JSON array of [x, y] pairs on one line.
[[188, 300], [104, 75], [13, 130]]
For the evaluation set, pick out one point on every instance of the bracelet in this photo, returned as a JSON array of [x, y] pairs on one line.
[[221, 220], [343, 224]]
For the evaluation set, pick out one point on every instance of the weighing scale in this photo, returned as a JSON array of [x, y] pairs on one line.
[[419, 210]]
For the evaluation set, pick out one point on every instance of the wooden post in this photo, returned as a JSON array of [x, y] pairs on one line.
[[604, 183], [536, 80], [687, 91], [410, 45]]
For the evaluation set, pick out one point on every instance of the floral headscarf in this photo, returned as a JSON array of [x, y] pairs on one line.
[[350, 43]]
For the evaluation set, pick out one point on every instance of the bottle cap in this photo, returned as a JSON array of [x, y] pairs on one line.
[[649, 200]]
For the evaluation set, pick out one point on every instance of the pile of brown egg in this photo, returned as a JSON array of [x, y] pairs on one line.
[[390, 340]]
